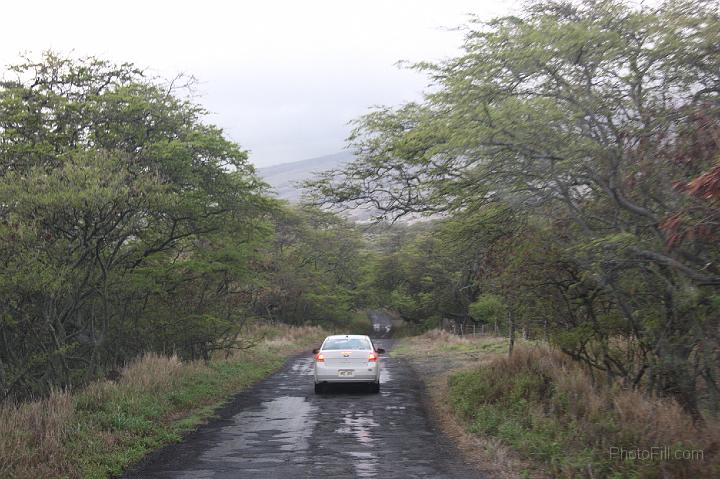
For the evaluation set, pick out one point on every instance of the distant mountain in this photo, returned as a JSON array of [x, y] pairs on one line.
[[284, 178]]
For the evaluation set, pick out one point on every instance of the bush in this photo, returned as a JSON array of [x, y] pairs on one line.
[[547, 407]]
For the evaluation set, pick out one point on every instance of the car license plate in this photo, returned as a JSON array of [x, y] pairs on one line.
[[345, 373]]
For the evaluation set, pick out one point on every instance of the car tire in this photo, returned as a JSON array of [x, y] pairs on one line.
[[375, 387], [318, 388]]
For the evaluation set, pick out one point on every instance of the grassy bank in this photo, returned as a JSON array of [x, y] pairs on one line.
[[539, 415], [98, 431], [437, 343], [546, 408]]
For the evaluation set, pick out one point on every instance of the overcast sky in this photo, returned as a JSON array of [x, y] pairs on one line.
[[282, 78]]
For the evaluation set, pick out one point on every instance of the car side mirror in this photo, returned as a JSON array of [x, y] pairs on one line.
[[380, 351], [316, 350]]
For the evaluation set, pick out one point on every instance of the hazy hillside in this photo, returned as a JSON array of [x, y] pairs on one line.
[[285, 177]]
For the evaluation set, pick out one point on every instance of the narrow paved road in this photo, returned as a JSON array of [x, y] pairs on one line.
[[281, 429]]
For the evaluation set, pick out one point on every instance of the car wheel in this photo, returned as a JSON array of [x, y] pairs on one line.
[[318, 388], [375, 387]]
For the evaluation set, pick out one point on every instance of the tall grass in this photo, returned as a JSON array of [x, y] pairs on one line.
[[438, 342], [32, 437], [100, 430], [547, 407]]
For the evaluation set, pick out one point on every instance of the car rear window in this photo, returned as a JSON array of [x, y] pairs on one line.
[[346, 343]]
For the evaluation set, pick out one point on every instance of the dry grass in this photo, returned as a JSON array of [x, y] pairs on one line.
[[538, 413], [100, 430], [547, 407], [281, 337], [437, 336], [32, 437], [654, 420], [439, 343], [154, 372]]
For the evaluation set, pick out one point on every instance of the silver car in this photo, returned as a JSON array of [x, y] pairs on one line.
[[347, 358]]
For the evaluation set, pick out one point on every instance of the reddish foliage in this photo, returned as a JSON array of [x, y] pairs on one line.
[[699, 143], [672, 226], [679, 229], [696, 147], [706, 186]]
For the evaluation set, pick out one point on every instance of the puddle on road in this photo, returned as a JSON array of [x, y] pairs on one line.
[[360, 426], [275, 431], [385, 375], [281, 425], [201, 474], [365, 463], [303, 367]]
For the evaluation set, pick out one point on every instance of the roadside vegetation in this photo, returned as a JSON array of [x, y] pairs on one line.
[[547, 408], [438, 343], [539, 414], [98, 431]]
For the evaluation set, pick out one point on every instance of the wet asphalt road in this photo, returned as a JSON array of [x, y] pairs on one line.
[[281, 429]]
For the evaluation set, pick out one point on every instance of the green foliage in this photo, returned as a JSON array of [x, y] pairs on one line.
[[567, 427], [487, 308], [313, 268], [418, 274], [128, 224]]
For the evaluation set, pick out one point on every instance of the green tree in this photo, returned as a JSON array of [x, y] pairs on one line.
[[114, 196], [312, 269]]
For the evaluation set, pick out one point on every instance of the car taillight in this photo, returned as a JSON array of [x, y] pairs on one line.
[[320, 357], [373, 357]]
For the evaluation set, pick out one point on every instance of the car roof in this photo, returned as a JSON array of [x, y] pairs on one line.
[[348, 336]]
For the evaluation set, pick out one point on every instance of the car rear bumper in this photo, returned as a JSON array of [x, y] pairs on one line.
[[328, 374]]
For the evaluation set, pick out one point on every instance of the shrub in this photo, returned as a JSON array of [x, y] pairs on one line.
[[547, 407]]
